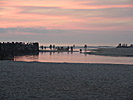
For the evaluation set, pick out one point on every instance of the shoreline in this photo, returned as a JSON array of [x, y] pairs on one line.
[[116, 52], [63, 81], [66, 62]]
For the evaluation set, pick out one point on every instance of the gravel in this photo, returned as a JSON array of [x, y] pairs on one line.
[[65, 81]]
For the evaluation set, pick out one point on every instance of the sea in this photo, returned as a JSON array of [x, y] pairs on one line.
[[74, 57]]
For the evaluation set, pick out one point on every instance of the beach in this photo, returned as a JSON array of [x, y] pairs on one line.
[[65, 81], [125, 52]]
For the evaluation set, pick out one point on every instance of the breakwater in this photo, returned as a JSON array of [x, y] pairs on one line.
[[9, 50]]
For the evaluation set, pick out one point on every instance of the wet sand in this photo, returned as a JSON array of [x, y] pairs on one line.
[[65, 81], [127, 52]]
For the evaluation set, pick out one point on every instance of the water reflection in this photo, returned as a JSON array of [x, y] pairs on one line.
[[27, 57], [74, 57]]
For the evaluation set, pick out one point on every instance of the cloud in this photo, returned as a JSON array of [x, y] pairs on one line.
[[64, 36], [57, 15], [110, 2], [20, 30]]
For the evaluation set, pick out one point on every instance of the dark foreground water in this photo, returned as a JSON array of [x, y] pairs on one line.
[[75, 57]]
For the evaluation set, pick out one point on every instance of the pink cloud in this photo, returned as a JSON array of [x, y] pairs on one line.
[[13, 14]]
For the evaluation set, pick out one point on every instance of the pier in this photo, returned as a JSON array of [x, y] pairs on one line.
[[10, 49]]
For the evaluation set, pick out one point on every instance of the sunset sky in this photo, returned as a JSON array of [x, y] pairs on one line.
[[67, 21]]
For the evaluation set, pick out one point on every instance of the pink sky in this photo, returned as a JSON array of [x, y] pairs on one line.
[[53, 15]]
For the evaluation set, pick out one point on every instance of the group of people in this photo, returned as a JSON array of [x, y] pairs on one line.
[[53, 47], [61, 48], [124, 46]]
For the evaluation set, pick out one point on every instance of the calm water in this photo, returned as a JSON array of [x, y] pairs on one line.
[[74, 57]]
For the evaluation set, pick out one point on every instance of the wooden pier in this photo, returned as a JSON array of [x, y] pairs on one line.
[[10, 49]]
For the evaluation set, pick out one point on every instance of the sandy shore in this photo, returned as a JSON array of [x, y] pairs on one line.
[[56, 81], [113, 52]]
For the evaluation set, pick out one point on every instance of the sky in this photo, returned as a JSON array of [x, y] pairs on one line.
[[107, 22]]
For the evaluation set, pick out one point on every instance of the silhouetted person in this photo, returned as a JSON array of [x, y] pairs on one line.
[[80, 50], [71, 49], [45, 48], [50, 46], [85, 46], [68, 48], [41, 47], [53, 46], [119, 45], [62, 48], [124, 45]]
